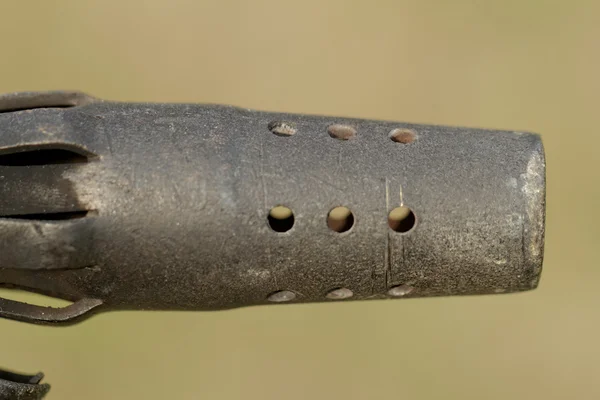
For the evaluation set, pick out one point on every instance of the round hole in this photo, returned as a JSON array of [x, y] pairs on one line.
[[340, 219], [400, 290], [282, 128], [404, 136], [281, 219], [340, 294], [281, 296], [402, 219], [341, 132]]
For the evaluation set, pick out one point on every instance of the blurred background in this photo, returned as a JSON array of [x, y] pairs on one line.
[[513, 64]]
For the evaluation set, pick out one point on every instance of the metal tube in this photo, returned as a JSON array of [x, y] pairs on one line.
[[205, 207]]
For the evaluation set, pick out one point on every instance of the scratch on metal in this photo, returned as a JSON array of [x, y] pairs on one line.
[[388, 244], [262, 174], [401, 197]]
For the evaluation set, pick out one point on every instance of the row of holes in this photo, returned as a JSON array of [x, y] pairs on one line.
[[280, 296], [342, 132], [341, 219], [341, 293]]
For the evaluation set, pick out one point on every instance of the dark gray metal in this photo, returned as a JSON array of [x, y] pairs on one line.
[[166, 206], [22, 387]]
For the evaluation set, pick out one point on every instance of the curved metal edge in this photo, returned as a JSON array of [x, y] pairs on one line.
[[77, 149], [534, 230], [24, 312], [22, 387], [29, 100]]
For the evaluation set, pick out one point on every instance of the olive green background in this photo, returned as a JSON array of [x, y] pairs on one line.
[[526, 65]]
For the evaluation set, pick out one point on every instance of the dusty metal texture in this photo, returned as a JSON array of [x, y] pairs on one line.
[[22, 387], [205, 207]]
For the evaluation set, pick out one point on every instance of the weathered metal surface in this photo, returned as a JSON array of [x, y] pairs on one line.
[[166, 206], [22, 387]]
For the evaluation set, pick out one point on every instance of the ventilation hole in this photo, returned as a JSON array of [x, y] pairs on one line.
[[36, 299], [402, 219], [60, 216], [404, 136], [340, 294], [281, 219], [282, 296], [41, 156], [342, 132], [400, 290], [281, 128], [340, 219]]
